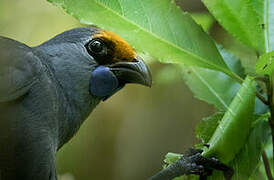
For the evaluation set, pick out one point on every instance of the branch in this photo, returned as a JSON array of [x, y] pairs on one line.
[[266, 166], [262, 98], [193, 163]]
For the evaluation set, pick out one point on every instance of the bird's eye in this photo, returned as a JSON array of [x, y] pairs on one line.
[[96, 46]]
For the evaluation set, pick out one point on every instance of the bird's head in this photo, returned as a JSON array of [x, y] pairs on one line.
[[96, 60], [116, 64]]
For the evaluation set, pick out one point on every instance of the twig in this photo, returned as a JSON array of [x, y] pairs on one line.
[[193, 163], [240, 80], [261, 78], [266, 166], [262, 98], [269, 85]]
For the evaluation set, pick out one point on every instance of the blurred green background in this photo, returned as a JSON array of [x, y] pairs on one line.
[[126, 137]]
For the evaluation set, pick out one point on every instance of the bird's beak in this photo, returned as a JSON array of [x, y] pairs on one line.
[[132, 72]]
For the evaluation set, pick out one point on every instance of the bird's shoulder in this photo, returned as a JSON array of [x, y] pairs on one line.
[[19, 69]]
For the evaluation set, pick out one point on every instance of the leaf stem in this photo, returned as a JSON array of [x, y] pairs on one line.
[[240, 80], [266, 166], [234, 76], [262, 98]]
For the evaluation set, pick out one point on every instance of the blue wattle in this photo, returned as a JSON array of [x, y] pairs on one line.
[[103, 82]]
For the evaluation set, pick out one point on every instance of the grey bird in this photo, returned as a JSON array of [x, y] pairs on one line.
[[47, 91]]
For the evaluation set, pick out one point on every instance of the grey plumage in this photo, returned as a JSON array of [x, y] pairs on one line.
[[45, 96], [46, 90]]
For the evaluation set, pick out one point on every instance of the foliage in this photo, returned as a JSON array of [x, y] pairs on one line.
[[207, 127], [237, 16], [238, 132], [212, 86], [229, 136], [152, 21], [246, 161], [265, 64]]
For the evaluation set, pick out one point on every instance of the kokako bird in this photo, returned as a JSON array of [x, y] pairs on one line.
[[47, 91]]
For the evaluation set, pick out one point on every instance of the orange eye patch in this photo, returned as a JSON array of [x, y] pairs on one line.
[[122, 50]]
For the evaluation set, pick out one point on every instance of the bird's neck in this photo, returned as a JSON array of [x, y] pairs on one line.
[[72, 84]]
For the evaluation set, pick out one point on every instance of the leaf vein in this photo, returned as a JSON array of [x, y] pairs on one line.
[[208, 62], [211, 89]]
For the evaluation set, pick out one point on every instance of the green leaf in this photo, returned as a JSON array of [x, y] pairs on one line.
[[246, 161], [270, 22], [159, 28], [240, 19], [171, 158], [260, 170], [216, 87], [265, 64], [265, 11], [203, 19], [212, 86], [234, 127], [207, 127]]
